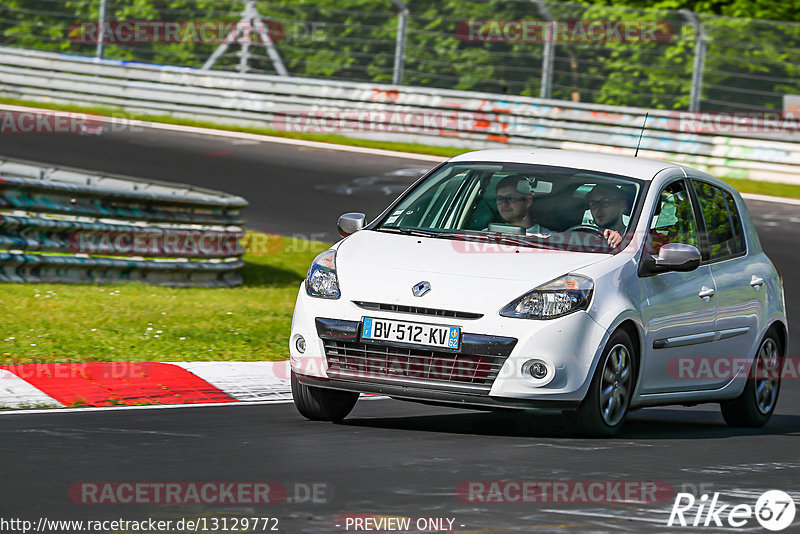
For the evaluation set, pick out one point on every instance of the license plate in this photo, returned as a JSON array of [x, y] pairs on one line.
[[429, 335]]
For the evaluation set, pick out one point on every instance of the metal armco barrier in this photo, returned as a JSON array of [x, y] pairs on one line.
[[70, 226], [466, 119]]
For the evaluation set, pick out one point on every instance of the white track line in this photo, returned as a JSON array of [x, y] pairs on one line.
[[162, 406], [138, 407]]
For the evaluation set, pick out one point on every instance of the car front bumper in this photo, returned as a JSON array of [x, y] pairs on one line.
[[488, 370], [430, 394]]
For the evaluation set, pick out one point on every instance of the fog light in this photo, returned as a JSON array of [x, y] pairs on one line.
[[538, 370], [300, 343]]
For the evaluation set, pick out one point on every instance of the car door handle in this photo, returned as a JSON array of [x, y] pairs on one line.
[[706, 293], [756, 282]]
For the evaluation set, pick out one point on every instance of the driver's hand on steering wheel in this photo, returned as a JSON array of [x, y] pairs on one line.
[[613, 237]]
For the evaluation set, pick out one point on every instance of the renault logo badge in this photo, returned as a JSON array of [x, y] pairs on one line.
[[421, 288]]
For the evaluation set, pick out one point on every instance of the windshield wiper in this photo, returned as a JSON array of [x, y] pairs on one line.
[[494, 237], [508, 239], [413, 231]]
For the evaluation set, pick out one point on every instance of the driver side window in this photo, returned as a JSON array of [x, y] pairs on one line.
[[673, 220]]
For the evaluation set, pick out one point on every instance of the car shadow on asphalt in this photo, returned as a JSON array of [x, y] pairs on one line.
[[653, 423]]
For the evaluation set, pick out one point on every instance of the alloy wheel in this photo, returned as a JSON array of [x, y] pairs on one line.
[[615, 385]]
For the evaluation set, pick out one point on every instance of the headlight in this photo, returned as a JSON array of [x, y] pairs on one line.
[[561, 296], [321, 280]]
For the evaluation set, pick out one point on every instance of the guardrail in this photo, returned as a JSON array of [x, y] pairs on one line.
[[465, 119], [71, 226]]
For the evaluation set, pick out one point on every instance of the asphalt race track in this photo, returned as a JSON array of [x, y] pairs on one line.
[[388, 458]]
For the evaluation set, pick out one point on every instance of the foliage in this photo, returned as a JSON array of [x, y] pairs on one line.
[[750, 64]]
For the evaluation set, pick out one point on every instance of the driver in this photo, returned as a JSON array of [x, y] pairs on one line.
[[607, 204], [514, 204]]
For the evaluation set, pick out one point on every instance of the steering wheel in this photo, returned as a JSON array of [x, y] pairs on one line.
[[587, 228]]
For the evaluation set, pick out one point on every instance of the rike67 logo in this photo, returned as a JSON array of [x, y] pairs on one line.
[[774, 510]]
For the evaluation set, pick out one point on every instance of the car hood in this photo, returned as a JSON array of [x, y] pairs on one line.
[[464, 276]]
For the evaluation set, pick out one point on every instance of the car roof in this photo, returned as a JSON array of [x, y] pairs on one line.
[[642, 168]]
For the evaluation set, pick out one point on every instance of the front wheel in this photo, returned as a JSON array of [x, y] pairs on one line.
[[320, 404], [754, 407], [605, 407]]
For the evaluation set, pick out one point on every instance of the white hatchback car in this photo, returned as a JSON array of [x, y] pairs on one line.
[[546, 280]]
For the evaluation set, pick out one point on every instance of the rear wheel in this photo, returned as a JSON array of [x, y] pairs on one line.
[[320, 404], [754, 407], [605, 407]]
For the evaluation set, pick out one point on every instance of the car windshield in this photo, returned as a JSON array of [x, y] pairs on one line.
[[528, 205]]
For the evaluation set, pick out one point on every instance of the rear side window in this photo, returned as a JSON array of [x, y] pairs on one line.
[[722, 221]]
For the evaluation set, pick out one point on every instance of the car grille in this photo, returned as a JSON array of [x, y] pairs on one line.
[[473, 368], [372, 360], [400, 308]]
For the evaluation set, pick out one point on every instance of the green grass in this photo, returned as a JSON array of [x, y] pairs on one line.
[[44, 323], [744, 186], [765, 188]]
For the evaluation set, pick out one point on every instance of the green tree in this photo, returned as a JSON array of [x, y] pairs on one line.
[[749, 63]]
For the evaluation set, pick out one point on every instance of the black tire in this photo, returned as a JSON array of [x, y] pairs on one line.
[[748, 410], [596, 417], [320, 404]]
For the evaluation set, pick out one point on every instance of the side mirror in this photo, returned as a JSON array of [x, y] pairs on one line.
[[350, 223], [671, 257]]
